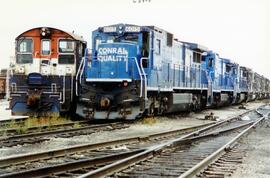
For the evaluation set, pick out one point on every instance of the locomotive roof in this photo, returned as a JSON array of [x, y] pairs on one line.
[[143, 27], [194, 46], [72, 35]]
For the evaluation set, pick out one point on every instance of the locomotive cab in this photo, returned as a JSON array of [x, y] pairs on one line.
[[222, 80], [44, 72]]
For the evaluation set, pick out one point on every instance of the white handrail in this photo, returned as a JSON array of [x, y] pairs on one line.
[[127, 65], [77, 75], [139, 70], [145, 79], [82, 69]]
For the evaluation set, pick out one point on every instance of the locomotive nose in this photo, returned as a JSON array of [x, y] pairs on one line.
[[104, 102]]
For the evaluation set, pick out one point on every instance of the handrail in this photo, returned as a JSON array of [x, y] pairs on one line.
[[83, 66], [71, 83], [80, 70], [64, 90], [140, 73], [127, 65], [77, 75], [145, 79]]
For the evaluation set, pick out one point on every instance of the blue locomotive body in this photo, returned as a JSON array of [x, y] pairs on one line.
[[141, 69], [136, 70]]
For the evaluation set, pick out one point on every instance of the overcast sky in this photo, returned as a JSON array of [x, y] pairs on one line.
[[236, 29]]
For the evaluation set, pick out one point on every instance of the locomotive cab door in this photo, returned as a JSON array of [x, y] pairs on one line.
[[145, 52]]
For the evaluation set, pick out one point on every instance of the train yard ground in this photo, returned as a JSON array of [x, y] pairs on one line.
[[255, 162]]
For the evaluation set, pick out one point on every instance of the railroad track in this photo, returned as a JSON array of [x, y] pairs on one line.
[[64, 132], [183, 157], [28, 130], [77, 160], [18, 120]]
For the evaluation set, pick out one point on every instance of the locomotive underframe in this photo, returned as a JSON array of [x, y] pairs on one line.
[[112, 100]]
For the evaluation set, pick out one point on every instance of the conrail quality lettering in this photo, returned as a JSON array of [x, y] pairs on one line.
[[112, 54]]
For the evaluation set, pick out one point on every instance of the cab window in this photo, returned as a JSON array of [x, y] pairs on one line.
[[210, 62], [24, 51], [66, 59], [131, 38], [66, 52], [45, 47], [227, 68], [98, 41], [66, 46], [145, 48]]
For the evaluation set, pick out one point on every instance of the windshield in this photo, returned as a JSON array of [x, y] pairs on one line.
[[24, 51], [66, 46], [115, 38], [127, 37], [25, 46]]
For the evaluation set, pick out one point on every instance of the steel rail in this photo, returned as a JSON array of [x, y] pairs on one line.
[[214, 156], [57, 132], [152, 151], [81, 163], [16, 120], [54, 126], [64, 151], [71, 165]]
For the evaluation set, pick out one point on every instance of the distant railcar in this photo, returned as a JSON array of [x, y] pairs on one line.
[[243, 83], [267, 88], [223, 74], [250, 85], [43, 78], [3, 84]]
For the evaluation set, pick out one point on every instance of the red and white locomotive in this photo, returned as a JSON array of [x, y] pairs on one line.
[[43, 76]]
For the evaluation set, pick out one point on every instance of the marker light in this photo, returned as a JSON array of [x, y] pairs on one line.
[[21, 69]]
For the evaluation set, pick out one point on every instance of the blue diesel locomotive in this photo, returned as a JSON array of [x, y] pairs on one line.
[[43, 76], [136, 70]]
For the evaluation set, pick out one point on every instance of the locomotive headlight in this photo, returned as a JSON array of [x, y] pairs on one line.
[[44, 32], [125, 83], [21, 70]]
